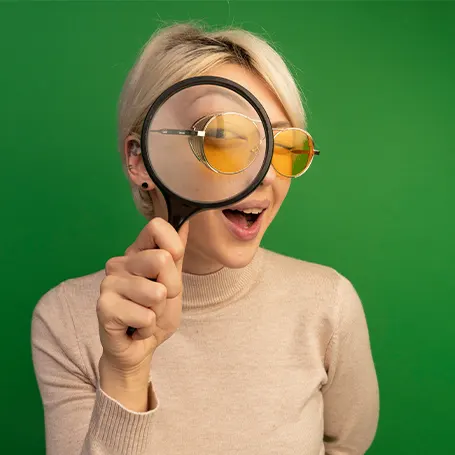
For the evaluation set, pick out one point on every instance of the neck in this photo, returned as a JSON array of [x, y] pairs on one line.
[[206, 287], [197, 263]]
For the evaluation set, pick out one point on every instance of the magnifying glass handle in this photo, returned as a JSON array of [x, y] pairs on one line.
[[130, 331], [178, 212]]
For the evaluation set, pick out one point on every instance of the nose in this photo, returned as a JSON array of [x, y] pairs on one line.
[[269, 177]]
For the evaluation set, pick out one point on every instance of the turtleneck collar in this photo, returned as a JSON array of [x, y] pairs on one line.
[[223, 286]]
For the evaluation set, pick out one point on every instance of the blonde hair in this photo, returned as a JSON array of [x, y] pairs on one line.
[[185, 50]]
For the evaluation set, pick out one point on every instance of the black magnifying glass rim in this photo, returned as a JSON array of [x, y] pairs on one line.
[[220, 82]]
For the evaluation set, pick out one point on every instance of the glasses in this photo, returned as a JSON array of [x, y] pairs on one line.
[[229, 142]]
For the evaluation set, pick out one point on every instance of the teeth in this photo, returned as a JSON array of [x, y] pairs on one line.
[[253, 211]]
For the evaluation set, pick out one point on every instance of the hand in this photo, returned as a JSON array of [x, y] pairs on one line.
[[129, 298]]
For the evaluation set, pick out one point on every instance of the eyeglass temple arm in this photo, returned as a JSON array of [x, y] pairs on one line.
[[193, 133], [179, 132]]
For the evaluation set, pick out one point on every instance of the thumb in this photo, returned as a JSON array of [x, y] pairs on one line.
[[183, 234]]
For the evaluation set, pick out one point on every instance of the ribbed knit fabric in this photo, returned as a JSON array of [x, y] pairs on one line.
[[271, 359]]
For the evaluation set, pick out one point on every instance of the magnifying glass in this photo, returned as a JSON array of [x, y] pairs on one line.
[[206, 143]]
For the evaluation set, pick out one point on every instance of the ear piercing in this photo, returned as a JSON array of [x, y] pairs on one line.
[[135, 149]]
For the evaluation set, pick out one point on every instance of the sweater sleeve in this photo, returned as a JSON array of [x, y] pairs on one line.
[[351, 395], [80, 419]]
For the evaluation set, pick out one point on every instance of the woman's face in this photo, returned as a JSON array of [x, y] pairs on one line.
[[230, 238]]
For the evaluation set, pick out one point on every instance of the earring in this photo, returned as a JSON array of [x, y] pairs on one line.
[[145, 185]]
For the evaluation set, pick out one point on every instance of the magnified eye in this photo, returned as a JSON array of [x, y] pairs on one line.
[[223, 133], [230, 143]]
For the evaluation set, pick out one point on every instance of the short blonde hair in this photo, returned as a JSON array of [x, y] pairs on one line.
[[180, 51]]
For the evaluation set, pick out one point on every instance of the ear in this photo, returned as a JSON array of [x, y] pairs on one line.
[[135, 165]]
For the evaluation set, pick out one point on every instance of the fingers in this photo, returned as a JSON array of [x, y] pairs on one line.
[[153, 264], [158, 233], [116, 313], [143, 292], [144, 333], [183, 234], [159, 265], [129, 298], [115, 266]]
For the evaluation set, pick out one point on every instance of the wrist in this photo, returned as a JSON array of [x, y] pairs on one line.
[[130, 388], [130, 379]]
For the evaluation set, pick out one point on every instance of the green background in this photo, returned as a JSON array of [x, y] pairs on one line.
[[377, 204]]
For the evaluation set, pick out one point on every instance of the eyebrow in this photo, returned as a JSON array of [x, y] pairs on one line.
[[281, 124], [226, 93]]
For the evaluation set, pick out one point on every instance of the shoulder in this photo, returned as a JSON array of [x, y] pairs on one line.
[[297, 271], [74, 294], [64, 328], [318, 287], [65, 319]]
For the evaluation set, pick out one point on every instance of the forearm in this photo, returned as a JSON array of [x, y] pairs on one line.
[[115, 429], [122, 415]]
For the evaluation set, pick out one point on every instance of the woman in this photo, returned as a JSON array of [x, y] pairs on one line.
[[237, 349]]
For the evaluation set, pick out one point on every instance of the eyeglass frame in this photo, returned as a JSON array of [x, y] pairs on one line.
[[201, 133]]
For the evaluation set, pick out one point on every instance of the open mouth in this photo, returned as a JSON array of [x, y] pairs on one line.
[[244, 219]]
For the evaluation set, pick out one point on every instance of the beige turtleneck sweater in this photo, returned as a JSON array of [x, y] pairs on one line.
[[272, 359]]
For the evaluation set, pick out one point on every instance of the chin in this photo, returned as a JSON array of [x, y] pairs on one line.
[[239, 256], [213, 245]]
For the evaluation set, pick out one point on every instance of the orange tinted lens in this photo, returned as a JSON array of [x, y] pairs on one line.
[[292, 152], [231, 143]]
